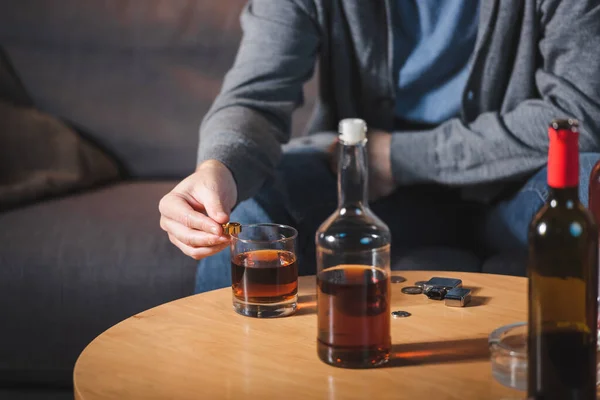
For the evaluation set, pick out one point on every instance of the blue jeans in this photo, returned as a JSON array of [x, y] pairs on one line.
[[432, 227]]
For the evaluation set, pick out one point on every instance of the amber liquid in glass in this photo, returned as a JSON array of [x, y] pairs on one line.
[[265, 276]]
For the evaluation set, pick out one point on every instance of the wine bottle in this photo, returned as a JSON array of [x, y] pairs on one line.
[[563, 280], [353, 266], [594, 203]]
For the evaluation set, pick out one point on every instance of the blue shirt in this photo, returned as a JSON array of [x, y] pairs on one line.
[[433, 42]]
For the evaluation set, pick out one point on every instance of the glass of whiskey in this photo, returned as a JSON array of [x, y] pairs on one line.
[[264, 270]]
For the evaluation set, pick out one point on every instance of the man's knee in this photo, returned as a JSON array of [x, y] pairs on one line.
[[586, 164], [538, 183], [587, 160], [509, 220]]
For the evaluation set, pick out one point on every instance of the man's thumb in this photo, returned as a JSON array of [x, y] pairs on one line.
[[215, 208]]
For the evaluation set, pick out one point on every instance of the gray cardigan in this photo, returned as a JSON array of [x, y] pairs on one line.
[[534, 60]]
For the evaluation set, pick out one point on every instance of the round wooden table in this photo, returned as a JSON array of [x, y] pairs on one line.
[[199, 348]]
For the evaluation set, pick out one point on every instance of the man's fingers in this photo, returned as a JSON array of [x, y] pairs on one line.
[[191, 237], [215, 210], [196, 253], [213, 202], [177, 208]]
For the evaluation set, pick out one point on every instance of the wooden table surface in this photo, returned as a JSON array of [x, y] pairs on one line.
[[199, 348]]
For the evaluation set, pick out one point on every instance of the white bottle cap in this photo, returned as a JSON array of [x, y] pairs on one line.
[[352, 130]]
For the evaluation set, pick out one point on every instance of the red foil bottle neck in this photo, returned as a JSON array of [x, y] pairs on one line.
[[563, 155]]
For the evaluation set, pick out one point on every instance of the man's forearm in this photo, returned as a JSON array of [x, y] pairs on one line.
[[251, 117], [241, 139], [492, 148]]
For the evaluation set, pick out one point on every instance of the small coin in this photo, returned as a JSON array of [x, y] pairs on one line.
[[397, 279], [420, 284], [400, 314], [412, 290]]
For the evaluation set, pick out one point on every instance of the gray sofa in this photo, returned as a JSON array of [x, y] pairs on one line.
[[133, 78]]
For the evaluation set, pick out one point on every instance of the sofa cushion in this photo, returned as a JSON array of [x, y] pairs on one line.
[[136, 75], [40, 156], [72, 267]]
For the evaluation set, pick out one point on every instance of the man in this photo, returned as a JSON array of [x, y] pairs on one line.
[[457, 94]]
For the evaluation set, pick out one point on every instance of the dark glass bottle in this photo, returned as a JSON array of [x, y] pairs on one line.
[[594, 201], [353, 266], [563, 281]]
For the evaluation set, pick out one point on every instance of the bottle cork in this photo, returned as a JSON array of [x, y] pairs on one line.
[[352, 130]]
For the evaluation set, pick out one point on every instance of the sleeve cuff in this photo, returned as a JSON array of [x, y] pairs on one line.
[[414, 157]]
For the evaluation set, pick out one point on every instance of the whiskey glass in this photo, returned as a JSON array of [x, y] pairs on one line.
[[264, 270]]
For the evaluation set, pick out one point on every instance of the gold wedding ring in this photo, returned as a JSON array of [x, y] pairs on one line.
[[231, 228]]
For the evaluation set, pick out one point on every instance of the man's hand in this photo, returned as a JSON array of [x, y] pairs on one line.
[[381, 180], [192, 213]]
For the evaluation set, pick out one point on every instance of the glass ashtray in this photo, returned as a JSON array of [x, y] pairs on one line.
[[508, 353]]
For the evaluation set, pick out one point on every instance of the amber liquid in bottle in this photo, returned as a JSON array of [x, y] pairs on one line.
[[563, 281], [353, 267]]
